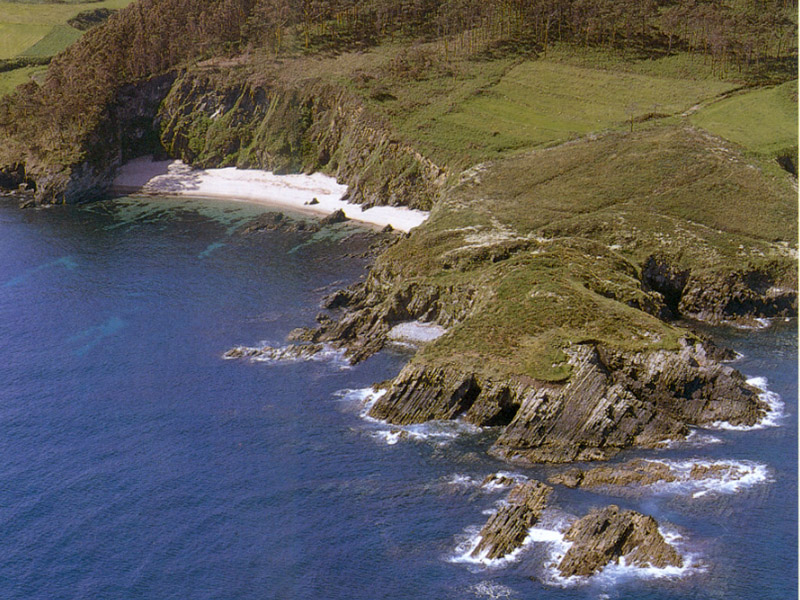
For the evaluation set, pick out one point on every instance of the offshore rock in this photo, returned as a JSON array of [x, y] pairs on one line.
[[606, 536], [630, 474], [290, 352], [506, 530], [612, 401]]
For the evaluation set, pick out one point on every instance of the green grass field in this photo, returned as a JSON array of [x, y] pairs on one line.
[[15, 38], [764, 121], [11, 79], [39, 29], [488, 110], [58, 38]]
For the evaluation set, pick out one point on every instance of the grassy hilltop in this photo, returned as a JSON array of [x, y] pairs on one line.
[[595, 178]]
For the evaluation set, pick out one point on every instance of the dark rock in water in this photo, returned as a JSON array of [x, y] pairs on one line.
[[633, 473], [276, 221], [506, 530], [387, 229], [337, 216], [605, 536], [498, 480], [290, 352], [313, 202]]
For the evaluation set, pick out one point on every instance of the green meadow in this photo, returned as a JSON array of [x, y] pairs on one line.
[[764, 121], [39, 29]]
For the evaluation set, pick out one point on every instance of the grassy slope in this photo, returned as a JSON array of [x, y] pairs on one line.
[[763, 120]]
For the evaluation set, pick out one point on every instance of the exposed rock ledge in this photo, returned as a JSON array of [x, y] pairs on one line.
[[608, 535], [506, 530], [636, 477], [612, 401]]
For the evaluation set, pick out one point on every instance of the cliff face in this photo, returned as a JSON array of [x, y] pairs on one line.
[[203, 119], [312, 126]]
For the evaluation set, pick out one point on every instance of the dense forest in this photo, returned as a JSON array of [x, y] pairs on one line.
[[744, 38]]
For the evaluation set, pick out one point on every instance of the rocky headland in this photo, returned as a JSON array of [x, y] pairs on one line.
[[554, 274]]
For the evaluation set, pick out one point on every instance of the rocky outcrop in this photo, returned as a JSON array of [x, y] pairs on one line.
[[610, 534], [126, 130], [506, 530], [613, 400], [635, 473], [285, 353], [739, 297], [637, 477]]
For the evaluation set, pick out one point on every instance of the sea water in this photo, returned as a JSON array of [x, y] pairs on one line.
[[136, 463]]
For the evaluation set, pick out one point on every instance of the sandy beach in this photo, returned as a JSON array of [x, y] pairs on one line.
[[293, 192]]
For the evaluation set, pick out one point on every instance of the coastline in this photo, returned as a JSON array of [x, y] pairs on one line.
[[293, 192]]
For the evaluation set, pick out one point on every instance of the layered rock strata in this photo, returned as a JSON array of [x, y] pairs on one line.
[[611, 401], [507, 529], [611, 534]]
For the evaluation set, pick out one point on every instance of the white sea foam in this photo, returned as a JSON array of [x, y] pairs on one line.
[[515, 478], [775, 409], [491, 589], [363, 399], [439, 432], [730, 477], [695, 439], [334, 356], [466, 481]]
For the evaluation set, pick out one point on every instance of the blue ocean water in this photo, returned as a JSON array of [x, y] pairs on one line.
[[135, 463]]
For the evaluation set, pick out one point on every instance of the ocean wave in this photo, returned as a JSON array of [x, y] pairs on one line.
[[493, 482], [775, 409], [439, 432], [723, 476]]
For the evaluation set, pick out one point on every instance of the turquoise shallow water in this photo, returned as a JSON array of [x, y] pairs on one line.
[[135, 463]]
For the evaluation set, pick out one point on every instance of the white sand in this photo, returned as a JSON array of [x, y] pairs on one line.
[[174, 178], [416, 332]]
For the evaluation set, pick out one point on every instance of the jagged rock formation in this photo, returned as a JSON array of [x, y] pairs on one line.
[[612, 401], [506, 530], [605, 536]]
